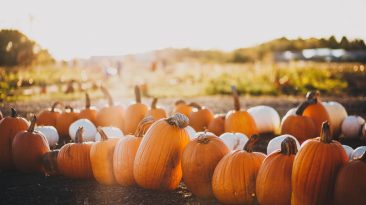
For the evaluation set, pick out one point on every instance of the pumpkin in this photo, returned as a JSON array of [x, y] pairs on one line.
[[157, 163], [64, 121], [337, 113], [234, 141], [276, 143], [300, 126], [266, 119], [49, 162], [316, 111], [101, 159], [199, 161], [349, 151], [181, 106], [89, 129], [49, 117], [9, 127], [239, 120], [234, 178], [358, 152], [111, 115], [276, 172], [28, 147], [88, 112], [217, 125], [350, 187], [352, 126], [155, 112], [191, 132], [111, 132], [315, 169], [200, 117], [73, 159], [134, 113], [50, 133], [125, 152]]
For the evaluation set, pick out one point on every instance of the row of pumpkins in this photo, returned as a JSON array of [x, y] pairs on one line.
[[158, 151]]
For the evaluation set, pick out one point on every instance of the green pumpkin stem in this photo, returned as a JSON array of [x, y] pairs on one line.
[[178, 120], [79, 135], [32, 124], [108, 95], [55, 105], [153, 103], [251, 142], [137, 94], [144, 125], [288, 146], [87, 101], [13, 112], [103, 135], [236, 98], [195, 105], [325, 135]]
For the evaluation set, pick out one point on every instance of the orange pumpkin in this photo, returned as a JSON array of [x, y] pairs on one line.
[[64, 121], [112, 115], [158, 159], [9, 127], [134, 113], [156, 113], [28, 148], [199, 161], [217, 125], [299, 126], [239, 120], [73, 159], [181, 106], [274, 177], [200, 117], [88, 112], [125, 152], [234, 178], [315, 169], [49, 117]]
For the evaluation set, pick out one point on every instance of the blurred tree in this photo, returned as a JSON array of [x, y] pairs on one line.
[[344, 43], [332, 42]]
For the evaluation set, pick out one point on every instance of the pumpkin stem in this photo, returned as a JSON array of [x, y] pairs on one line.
[[137, 94], [178, 120], [13, 112], [236, 98], [79, 135], [179, 102], [325, 135], [144, 125], [103, 135], [195, 105], [87, 100], [108, 95], [202, 138], [33, 123], [251, 142], [153, 103], [68, 107], [288, 146], [54, 105], [313, 96], [300, 110]]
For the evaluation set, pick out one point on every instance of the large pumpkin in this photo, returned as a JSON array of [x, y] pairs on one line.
[[315, 169], [158, 159], [199, 161], [300, 126], [9, 127], [155, 112], [88, 112], [125, 152], [64, 121], [28, 148], [274, 177], [234, 178], [73, 159], [134, 113], [49, 117], [101, 159], [239, 120], [350, 187], [200, 117], [217, 125], [181, 106]]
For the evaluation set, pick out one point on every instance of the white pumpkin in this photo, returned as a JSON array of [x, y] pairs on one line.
[[352, 125], [358, 152], [337, 113], [348, 150], [234, 141], [191, 132], [275, 143], [50, 133], [266, 118], [89, 129], [111, 132]]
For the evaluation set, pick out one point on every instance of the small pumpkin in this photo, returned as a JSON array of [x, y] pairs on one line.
[[88, 112], [352, 126], [315, 169], [234, 178], [276, 143], [358, 152], [266, 119], [73, 159], [9, 127], [349, 151], [28, 147], [64, 121], [234, 141], [111, 132], [181, 106], [50, 133], [89, 129], [157, 163], [200, 117], [239, 120], [276, 172], [199, 161], [337, 113], [49, 162], [155, 112], [217, 125], [49, 117], [125, 152], [134, 113]]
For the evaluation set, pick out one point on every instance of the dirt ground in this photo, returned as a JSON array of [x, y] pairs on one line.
[[20, 188]]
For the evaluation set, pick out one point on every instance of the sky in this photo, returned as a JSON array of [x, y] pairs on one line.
[[83, 28]]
